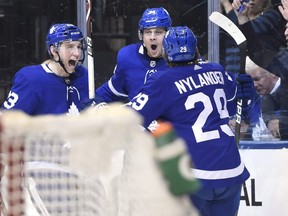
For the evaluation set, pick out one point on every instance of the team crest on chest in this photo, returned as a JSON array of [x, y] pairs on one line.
[[149, 73], [152, 63]]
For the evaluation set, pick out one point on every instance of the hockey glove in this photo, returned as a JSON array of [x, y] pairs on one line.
[[245, 87], [97, 102]]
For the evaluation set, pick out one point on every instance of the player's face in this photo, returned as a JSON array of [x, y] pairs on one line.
[[70, 52], [152, 39]]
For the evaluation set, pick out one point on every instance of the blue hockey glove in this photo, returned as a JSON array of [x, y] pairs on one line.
[[245, 87]]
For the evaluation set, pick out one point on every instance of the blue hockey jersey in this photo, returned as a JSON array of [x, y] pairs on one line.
[[198, 100], [133, 68], [37, 90]]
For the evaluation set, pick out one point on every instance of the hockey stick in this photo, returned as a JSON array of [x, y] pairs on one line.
[[226, 24], [91, 81]]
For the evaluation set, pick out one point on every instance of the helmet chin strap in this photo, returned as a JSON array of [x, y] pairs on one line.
[[61, 64]]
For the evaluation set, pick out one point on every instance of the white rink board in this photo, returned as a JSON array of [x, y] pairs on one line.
[[267, 188]]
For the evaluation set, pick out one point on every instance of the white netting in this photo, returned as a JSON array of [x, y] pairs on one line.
[[98, 163]]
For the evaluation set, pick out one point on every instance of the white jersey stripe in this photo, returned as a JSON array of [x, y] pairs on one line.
[[219, 174], [114, 90]]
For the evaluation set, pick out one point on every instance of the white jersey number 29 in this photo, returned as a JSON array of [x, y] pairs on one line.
[[197, 127], [199, 134]]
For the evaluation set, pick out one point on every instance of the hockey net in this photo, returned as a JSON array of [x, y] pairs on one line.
[[97, 163]]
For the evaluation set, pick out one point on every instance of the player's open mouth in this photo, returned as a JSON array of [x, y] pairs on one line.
[[72, 62], [153, 46]]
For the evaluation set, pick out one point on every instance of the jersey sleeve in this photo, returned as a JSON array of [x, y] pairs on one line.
[[152, 99], [22, 95]]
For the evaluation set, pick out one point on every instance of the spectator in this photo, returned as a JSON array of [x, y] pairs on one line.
[[262, 24], [265, 37], [274, 105], [255, 9], [136, 62], [59, 84], [197, 99], [260, 17]]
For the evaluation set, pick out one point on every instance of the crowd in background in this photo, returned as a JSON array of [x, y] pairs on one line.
[[263, 22]]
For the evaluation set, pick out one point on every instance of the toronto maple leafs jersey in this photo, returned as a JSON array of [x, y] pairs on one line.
[[37, 90], [198, 100], [133, 68]]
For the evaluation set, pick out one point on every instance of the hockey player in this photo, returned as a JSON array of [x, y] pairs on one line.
[[136, 62], [59, 84], [198, 100]]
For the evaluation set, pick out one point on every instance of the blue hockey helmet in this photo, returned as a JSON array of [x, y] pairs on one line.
[[155, 17], [59, 33], [180, 44]]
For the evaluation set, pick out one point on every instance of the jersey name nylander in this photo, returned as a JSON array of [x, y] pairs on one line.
[[208, 78], [37, 90], [198, 99], [133, 69]]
